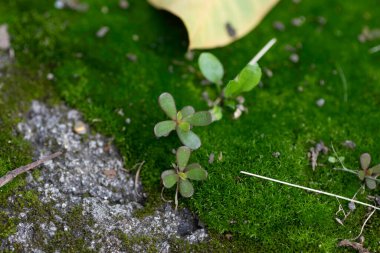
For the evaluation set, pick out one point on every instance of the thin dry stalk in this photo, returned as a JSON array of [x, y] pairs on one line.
[[14, 173]]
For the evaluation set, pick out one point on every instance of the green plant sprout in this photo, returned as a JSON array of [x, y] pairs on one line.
[[369, 175], [366, 173], [230, 96], [182, 174], [181, 121]]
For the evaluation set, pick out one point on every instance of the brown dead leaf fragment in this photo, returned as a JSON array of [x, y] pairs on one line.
[[354, 245], [5, 42], [314, 153], [110, 173], [216, 23]]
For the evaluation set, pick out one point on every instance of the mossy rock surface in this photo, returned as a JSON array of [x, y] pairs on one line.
[[94, 76]]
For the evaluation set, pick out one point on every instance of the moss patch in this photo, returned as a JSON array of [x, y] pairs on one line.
[[95, 76]]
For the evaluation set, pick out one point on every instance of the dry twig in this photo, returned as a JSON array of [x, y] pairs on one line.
[[14, 173], [355, 245]]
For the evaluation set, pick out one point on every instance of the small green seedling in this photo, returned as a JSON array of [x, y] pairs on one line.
[[181, 121], [368, 174], [231, 94], [246, 80], [182, 174]]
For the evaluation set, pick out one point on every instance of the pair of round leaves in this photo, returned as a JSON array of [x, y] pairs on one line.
[[181, 121], [368, 174], [212, 70], [183, 173]]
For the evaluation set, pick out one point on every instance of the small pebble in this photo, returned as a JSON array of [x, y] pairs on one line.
[[59, 5], [50, 76], [294, 58], [279, 26], [351, 206], [80, 127], [320, 102], [298, 21], [131, 57], [123, 4], [102, 32], [349, 144], [128, 121]]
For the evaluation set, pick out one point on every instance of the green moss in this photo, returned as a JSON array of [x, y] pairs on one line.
[[7, 225], [262, 216]]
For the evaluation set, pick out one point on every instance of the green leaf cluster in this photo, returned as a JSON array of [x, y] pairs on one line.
[[181, 121], [183, 173], [212, 69], [369, 175]]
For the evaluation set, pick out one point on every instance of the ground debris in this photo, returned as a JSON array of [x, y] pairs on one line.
[[315, 152], [369, 34], [124, 4], [354, 245], [5, 42], [131, 57], [349, 144], [102, 31], [71, 4]]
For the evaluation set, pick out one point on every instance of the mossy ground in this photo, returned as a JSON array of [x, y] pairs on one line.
[[95, 76]]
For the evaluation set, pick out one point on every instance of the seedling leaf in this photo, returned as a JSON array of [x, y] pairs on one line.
[[186, 188], [183, 155], [371, 183], [365, 160], [200, 119], [196, 173], [361, 175], [164, 128], [211, 68], [189, 139], [187, 111], [376, 169], [169, 178], [247, 79], [167, 104]]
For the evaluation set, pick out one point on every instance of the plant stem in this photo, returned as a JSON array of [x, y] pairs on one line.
[[262, 52], [309, 189], [347, 170], [176, 198]]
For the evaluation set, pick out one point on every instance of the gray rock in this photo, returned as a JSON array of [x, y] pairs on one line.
[[77, 179]]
